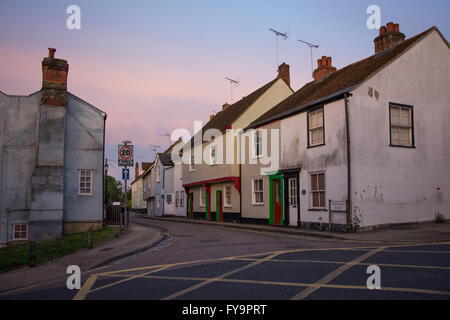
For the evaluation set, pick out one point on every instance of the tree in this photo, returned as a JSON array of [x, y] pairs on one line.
[[113, 190]]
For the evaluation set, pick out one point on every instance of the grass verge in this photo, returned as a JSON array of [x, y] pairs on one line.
[[15, 255]]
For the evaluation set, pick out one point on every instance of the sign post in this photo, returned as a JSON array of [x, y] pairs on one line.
[[125, 159], [335, 206]]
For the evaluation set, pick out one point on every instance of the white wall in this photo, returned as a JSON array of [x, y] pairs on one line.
[[398, 185], [330, 158]]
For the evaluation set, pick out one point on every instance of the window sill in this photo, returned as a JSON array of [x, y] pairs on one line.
[[316, 146], [400, 146], [258, 204], [318, 209], [227, 206]]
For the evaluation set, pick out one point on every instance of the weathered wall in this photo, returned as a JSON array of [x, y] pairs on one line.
[[399, 185], [83, 150], [19, 125], [330, 158]]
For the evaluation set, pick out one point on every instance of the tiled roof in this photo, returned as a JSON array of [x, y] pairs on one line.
[[338, 82]]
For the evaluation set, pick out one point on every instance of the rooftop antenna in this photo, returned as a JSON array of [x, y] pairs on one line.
[[311, 46], [166, 135], [232, 82], [279, 34]]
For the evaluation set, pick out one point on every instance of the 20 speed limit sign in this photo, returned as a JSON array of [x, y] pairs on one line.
[[125, 156]]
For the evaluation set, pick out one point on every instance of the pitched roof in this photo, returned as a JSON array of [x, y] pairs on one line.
[[166, 159], [146, 165], [226, 117], [337, 83]]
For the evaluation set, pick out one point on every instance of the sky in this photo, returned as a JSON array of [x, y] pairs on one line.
[[155, 66]]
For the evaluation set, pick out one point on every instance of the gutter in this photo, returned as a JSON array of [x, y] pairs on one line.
[[330, 98]]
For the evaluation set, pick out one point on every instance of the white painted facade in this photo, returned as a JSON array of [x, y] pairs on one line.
[[390, 185], [397, 185]]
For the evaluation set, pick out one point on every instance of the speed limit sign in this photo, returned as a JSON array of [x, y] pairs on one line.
[[125, 156]]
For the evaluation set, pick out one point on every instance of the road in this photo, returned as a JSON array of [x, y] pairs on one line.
[[202, 262]]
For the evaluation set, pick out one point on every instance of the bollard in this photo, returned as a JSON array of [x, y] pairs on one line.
[[32, 262], [90, 238]]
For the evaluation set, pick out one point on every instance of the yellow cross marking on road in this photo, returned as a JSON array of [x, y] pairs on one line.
[[258, 258]]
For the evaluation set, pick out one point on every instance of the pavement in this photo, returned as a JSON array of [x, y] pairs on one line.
[[136, 239], [418, 232]]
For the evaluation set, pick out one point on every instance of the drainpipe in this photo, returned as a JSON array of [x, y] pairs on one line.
[[103, 166], [349, 162]]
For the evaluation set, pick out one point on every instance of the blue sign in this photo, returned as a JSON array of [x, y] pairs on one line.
[[125, 174]]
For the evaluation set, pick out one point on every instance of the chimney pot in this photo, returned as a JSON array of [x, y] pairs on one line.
[[390, 26], [329, 61], [382, 30], [319, 63], [396, 27], [211, 117], [51, 52]]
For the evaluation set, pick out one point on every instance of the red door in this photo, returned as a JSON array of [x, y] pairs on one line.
[[277, 201], [219, 196]]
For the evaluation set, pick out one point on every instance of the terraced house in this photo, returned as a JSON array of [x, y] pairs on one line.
[[373, 135], [211, 174]]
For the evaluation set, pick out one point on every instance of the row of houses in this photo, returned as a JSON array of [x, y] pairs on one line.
[[373, 136]]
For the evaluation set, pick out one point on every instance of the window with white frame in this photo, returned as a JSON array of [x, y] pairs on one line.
[[257, 143], [177, 198], [181, 199], [258, 191], [316, 135], [213, 155], [293, 192], [317, 190], [158, 201], [192, 164], [169, 198], [85, 185], [20, 232], [202, 197], [402, 129], [158, 174], [228, 196]]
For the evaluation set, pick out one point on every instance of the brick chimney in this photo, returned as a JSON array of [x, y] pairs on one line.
[[54, 80], [390, 36], [283, 73], [136, 171], [324, 67], [225, 106]]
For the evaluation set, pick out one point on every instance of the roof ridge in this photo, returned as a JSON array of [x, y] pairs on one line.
[[347, 77]]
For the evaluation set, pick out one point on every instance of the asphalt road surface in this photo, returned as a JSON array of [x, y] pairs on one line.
[[202, 262]]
